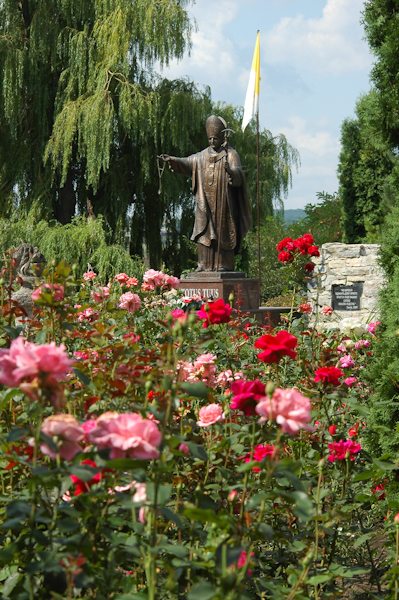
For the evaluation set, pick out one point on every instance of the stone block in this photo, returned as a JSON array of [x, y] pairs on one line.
[[214, 287]]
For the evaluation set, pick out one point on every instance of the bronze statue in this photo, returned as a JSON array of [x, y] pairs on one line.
[[223, 213]]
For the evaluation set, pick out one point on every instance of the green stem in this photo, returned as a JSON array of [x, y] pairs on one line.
[[244, 492], [396, 561]]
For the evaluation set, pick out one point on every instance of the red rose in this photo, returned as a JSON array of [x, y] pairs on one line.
[[313, 251], [329, 375], [285, 257], [332, 429], [281, 245], [302, 245], [276, 346], [309, 267], [246, 395], [218, 312], [308, 238]]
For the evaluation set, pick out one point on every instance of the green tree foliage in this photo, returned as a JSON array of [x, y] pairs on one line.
[[81, 242], [368, 170], [77, 90], [385, 368], [323, 220], [382, 33]]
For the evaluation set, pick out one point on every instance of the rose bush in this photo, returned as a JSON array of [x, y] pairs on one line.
[[185, 464]]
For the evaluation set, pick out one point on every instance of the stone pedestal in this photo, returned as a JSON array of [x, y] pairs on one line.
[[212, 285]]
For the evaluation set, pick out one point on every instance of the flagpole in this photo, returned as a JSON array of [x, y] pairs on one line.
[[258, 199]]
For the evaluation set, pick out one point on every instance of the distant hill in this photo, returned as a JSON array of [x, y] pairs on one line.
[[292, 215]]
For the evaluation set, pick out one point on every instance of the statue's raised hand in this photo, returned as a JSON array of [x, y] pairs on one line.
[[164, 157]]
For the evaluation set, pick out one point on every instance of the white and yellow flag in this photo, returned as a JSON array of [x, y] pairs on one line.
[[251, 105]]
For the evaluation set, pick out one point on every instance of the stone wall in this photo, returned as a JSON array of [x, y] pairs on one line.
[[346, 265]]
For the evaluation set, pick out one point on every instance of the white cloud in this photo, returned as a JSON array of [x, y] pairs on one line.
[[319, 151], [329, 44], [213, 55], [320, 142]]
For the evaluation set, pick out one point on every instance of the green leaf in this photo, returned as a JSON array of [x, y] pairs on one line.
[[318, 579], [63, 269], [171, 516], [197, 390], [197, 450], [266, 531], [385, 465], [7, 395], [256, 500], [85, 380], [17, 433], [204, 515], [10, 584], [303, 506], [41, 336], [202, 591], [163, 492], [364, 475], [123, 464], [363, 538], [12, 332]]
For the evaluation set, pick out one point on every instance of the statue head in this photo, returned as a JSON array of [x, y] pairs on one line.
[[214, 130]]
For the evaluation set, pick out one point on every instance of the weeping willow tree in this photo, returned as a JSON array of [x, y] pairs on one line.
[[82, 115]]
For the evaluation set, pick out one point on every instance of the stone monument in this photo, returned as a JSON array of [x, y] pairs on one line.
[[222, 217], [350, 279], [29, 263]]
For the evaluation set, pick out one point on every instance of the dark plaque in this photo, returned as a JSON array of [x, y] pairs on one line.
[[347, 297]]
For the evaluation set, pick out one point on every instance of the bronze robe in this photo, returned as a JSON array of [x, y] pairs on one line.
[[223, 212]]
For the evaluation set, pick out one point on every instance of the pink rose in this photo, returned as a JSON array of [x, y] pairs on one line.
[[25, 361], [67, 433], [184, 448], [170, 282], [205, 369], [132, 282], [209, 415], [288, 408], [350, 380], [121, 278], [147, 287], [185, 369], [89, 275], [362, 344], [178, 313], [55, 290], [153, 277], [327, 310], [242, 561], [226, 377], [346, 361], [371, 327], [127, 434], [101, 294], [88, 314], [305, 308], [130, 301]]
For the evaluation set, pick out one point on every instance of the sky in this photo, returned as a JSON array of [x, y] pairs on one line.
[[314, 66]]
